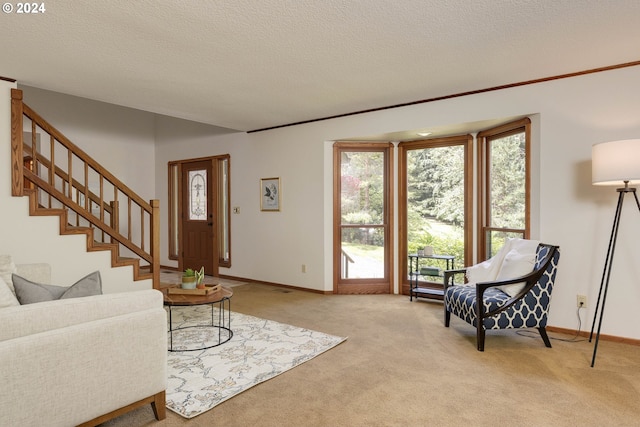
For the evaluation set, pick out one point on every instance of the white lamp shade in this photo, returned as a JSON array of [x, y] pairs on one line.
[[614, 162]]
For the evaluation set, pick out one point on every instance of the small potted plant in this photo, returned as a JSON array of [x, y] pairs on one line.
[[189, 279], [200, 278]]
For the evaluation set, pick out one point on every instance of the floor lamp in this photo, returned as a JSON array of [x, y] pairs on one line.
[[613, 163]]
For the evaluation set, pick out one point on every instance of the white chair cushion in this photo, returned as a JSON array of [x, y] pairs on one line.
[[488, 271], [515, 264]]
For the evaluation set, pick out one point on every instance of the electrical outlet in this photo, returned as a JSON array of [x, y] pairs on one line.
[[304, 268], [581, 301]]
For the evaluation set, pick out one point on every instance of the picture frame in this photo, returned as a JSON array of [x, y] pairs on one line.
[[270, 194]]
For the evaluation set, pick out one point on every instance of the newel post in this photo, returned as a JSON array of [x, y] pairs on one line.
[[17, 162], [155, 242]]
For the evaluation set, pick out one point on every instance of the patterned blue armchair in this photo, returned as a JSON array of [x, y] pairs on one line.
[[528, 308]]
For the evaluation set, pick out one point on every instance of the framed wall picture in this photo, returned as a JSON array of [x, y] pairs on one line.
[[270, 194]]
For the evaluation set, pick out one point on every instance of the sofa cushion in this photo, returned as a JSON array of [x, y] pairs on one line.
[[7, 268], [29, 292], [36, 272], [7, 298]]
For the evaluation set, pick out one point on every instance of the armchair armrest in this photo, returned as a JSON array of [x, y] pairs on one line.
[[449, 276]]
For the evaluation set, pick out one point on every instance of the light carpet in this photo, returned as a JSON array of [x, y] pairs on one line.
[[259, 350]]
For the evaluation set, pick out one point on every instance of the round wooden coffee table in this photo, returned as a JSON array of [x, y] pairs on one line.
[[220, 299]]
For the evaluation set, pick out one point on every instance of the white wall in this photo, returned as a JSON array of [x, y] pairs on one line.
[[36, 239], [570, 115], [120, 139], [178, 139]]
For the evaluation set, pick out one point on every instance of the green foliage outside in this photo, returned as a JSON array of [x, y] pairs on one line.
[[435, 197], [435, 200], [366, 251], [362, 196], [507, 181]]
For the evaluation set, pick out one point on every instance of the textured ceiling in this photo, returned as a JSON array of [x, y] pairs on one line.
[[247, 64]]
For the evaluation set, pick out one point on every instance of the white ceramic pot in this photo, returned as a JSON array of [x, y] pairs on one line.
[[189, 282]]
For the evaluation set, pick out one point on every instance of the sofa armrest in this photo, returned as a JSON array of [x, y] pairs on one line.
[[31, 319]]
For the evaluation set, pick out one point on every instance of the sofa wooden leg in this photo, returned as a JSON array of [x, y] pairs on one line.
[[159, 406], [158, 402]]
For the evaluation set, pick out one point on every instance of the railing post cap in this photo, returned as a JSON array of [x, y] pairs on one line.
[[16, 93]]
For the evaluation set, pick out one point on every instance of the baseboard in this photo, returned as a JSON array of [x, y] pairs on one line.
[[586, 334], [261, 282], [279, 285]]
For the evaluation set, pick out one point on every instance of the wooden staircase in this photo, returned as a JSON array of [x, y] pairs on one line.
[[62, 180]]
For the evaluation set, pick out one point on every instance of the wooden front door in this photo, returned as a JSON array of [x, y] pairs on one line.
[[199, 244]]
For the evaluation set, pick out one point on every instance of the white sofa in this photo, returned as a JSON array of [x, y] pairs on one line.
[[81, 361]]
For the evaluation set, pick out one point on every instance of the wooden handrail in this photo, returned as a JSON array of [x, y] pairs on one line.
[[62, 198], [346, 259], [78, 152], [75, 184], [63, 183]]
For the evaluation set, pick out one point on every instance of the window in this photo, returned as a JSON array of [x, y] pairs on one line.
[[504, 185], [198, 195], [174, 209], [224, 239]]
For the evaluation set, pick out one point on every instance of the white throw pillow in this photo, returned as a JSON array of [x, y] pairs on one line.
[[7, 298], [487, 271], [515, 264], [7, 268]]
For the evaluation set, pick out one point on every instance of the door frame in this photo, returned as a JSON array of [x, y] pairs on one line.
[[176, 212], [373, 285], [467, 142], [222, 204], [212, 213]]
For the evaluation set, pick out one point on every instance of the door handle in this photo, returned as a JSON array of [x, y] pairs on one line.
[[210, 224]]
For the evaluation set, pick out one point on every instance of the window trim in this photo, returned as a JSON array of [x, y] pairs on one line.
[[467, 142], [484, 139]]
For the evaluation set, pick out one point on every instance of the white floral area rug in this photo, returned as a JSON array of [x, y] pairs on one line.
[[258, 350]]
